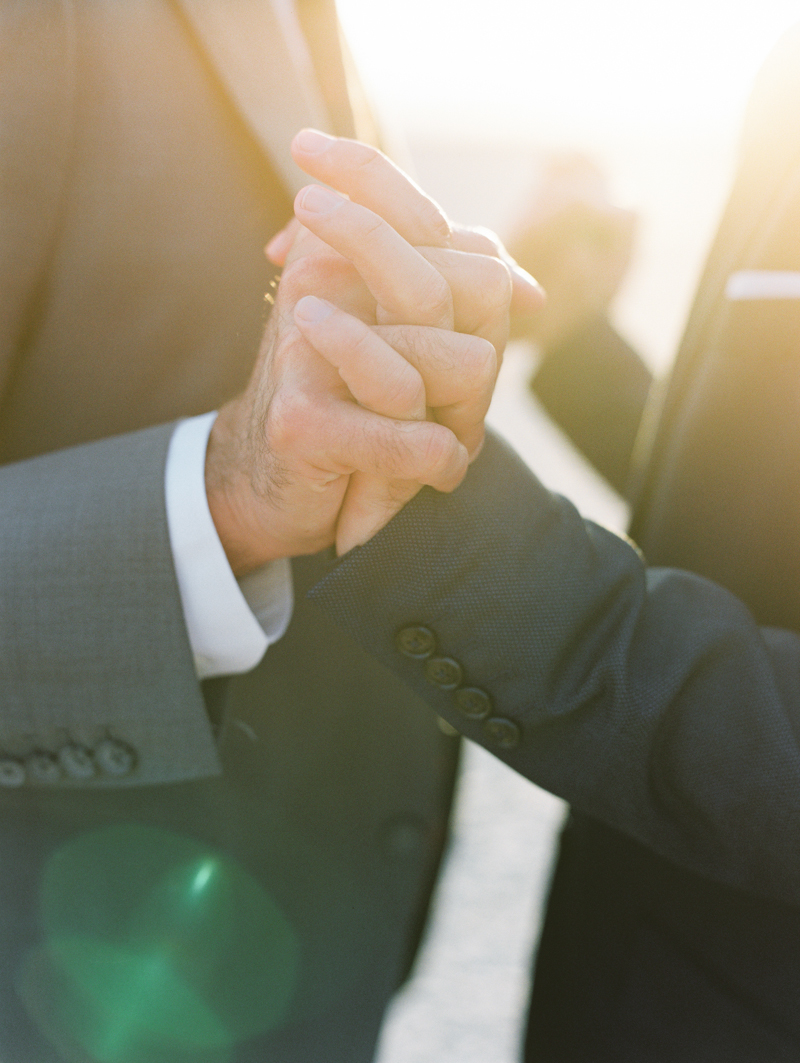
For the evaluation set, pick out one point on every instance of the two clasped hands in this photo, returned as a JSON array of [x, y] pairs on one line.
[[376, 368]]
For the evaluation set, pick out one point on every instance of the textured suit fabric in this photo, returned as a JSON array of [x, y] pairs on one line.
[[647, 696], [651, 701], [650, 698], [136, 201]]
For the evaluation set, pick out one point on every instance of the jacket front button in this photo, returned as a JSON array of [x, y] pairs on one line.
[[416, 641], [12, 773], [504, 733], [43, 768], [115, 758], [77, 762], [443, 672], [473, 702]]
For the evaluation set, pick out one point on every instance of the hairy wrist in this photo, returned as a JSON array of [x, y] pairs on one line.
[[232, 501], [260, 511]]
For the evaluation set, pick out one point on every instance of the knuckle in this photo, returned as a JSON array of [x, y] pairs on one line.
[[309, 275], [364, 159], [298, 424], [371, 224], [478, 240], [391, 449], [434, 351], [438, 445], [490, 240], [359, 342], [367, 164], [419, 450], [479, 362], [433, 219], [435, 304], [298, 277], [496, 281], [405, 392], [284, 419], [438, 352], [396, 390]]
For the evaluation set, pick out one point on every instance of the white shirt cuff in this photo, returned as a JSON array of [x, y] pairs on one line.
[[230, 623]]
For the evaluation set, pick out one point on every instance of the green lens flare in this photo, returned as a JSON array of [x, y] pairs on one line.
[[156, 950]]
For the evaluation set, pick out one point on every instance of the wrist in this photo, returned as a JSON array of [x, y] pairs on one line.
[[232, 500], [260, 514]]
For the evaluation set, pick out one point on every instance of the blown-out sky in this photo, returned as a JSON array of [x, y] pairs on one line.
[[564, 69]]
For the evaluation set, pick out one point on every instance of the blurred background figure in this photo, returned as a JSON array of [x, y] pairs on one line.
[[578, 243]]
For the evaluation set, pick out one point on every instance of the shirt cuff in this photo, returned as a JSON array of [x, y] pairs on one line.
[[230, 623]]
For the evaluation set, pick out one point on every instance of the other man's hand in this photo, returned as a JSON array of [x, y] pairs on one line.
[[468, 288]]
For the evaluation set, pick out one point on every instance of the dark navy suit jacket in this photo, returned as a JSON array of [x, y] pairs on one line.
[[660, 698]]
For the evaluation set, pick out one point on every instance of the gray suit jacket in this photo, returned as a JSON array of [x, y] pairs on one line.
[[144, 168], [134, 276]]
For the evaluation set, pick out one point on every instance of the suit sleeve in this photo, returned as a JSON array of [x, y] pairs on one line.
[[647, 698], [94, 644]]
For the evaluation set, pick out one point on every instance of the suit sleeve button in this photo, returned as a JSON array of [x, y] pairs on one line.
[[43, 768], [12, 773], [503, 733], [417, 641], [114, 757], [77, 762], [473, 702], [443, 672]]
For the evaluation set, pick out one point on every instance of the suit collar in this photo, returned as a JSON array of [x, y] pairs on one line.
[[767, 183], [263, 68]]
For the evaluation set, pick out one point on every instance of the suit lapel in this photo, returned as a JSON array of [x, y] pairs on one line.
[[767, 184], [274, 90]]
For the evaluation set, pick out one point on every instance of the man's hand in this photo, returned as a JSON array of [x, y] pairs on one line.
[[478, 288], [469, 288], [281, 455], [400, 372]]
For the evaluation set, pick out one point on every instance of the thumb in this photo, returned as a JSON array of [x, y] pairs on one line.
[[369, 504]]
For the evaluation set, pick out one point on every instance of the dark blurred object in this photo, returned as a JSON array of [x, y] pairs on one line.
[[594, 386], [576, 243], [643, 961]]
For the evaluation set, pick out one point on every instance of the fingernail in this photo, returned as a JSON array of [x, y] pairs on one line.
[[312, 142], [318, 200], [312, 309]]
